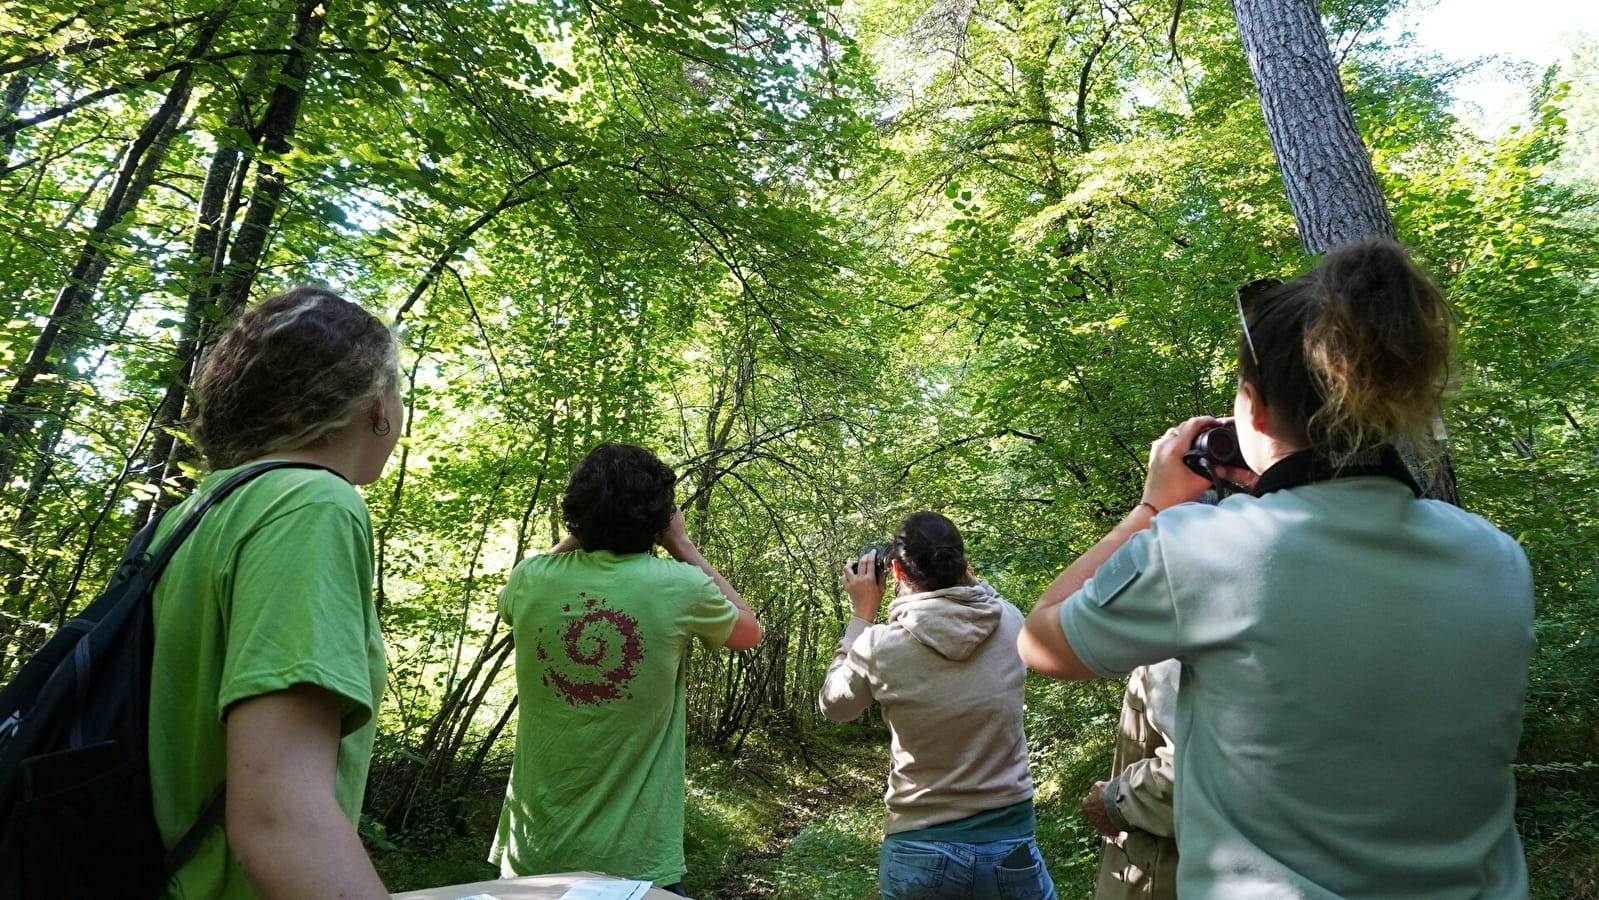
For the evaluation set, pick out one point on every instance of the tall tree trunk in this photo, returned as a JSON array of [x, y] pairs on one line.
[[1326, 170], [62, 335], [1327, 173], [220, 200], [10, 108], [228, 285], [278, 123]]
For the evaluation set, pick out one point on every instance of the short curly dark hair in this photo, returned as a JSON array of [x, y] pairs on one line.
[[619, 498]]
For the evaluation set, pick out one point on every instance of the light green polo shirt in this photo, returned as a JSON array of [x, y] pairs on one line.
[[273, 589], [1354, 664]]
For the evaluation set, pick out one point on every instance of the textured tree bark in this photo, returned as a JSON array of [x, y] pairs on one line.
[[62, 334], [1326, 170], [228, 286], [10, 108], [220, 200], [278, 123]]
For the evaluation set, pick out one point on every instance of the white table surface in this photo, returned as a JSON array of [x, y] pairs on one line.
[[528, 887]]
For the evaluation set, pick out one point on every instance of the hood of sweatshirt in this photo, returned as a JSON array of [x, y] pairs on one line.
[[953, 622]]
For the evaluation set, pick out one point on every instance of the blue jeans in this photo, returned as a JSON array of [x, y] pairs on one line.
[[946, 870]]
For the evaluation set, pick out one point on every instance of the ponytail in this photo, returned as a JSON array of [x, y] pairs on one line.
[[930, 551], [1381, 349], [1355, 353]]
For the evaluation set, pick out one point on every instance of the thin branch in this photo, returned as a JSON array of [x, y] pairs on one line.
[[16, 125], [17, 64], [509, 200], [1171, 33]]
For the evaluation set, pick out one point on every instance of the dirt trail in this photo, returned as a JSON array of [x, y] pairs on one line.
[[840, 780]]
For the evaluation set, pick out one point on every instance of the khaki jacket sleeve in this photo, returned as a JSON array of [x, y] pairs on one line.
[[1141, 794]]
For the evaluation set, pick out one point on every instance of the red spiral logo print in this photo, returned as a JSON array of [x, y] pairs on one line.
[[593, 657]]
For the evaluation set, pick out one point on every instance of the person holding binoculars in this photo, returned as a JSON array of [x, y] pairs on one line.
[[603, 629], [1354, 657], [945, 669]]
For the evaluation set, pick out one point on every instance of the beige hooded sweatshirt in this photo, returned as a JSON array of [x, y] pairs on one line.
[[945, 669]]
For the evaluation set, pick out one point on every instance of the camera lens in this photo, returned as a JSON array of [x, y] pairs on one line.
[[880, 554], [1221, 444]]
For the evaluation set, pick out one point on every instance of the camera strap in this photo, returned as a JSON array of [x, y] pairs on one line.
[[1309, 466]]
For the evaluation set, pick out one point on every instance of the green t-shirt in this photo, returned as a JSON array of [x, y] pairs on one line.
[[597, 780], [273, 589]]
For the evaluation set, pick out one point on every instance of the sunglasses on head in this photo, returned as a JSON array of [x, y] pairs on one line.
[[1245, 296]]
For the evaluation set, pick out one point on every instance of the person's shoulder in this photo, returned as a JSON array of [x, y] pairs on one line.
[[536, 562], [1010, 615], [1467, 525], [1186, 514], [1199, 521], [666, 576], [1199, 536], [877, 637], [303, 477], [1449, 512], [668, 569], [286, 488], [888, 637]]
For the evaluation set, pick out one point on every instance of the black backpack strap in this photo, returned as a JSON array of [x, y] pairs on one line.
[[162, 556], [215, 808], [210, 817]]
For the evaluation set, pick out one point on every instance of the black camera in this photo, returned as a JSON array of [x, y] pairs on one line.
[[880, 553], [1213, 449]]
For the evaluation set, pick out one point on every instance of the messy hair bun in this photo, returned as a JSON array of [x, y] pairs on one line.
[[930, 551], [1355, 353]]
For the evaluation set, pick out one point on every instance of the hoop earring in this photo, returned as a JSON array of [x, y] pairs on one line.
[[381, 430]]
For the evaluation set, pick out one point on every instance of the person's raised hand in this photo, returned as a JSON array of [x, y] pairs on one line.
[[674, 537], [1170, 481], [864, 587]]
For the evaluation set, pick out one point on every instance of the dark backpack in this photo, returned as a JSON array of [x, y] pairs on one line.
[[76, 818]]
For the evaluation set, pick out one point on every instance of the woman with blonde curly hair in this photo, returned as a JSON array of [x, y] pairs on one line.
[[268, 663], [1354, 657]]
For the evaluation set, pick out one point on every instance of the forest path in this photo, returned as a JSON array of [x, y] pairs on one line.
[[825, 798]]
